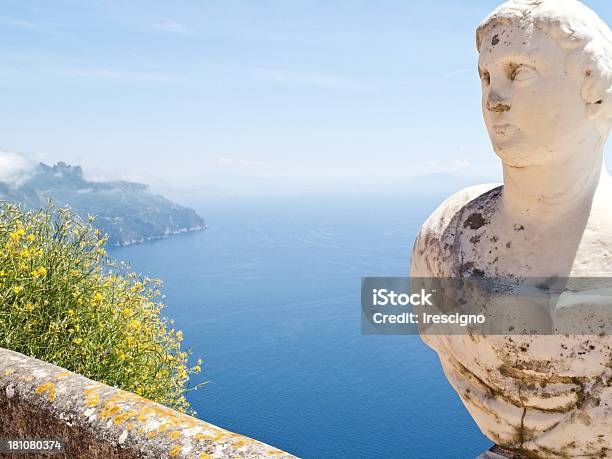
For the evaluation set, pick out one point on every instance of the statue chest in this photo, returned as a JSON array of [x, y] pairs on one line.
[[501, 249]]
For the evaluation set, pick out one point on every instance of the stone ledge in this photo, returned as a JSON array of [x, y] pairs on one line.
[[40, 400]]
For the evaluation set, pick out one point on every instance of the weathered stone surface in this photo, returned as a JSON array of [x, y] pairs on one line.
[[40, 400], [546, 77]]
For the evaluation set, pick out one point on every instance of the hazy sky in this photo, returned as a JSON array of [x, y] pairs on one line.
[[247, 96]]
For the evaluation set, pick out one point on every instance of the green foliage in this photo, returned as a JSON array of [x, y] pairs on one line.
[[64, 301]]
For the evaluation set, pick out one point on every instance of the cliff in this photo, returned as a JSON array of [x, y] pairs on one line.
[[127, 211]]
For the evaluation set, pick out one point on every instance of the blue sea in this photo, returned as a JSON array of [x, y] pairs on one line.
[[269, 297]]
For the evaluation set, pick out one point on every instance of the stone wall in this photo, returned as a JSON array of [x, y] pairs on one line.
[[41, 401]]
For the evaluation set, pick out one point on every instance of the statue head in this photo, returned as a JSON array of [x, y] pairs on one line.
[[546, 71]]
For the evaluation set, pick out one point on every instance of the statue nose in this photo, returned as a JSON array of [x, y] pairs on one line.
[[495, 103]]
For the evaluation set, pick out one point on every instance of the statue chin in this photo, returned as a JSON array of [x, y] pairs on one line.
[[524, 154], [515, 157]]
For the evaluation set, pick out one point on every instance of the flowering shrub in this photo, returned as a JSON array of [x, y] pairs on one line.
[[64, 301]]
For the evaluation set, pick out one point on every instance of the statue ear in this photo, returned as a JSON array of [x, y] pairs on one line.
[[595, 109]]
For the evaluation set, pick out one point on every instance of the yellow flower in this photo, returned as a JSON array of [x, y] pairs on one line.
[[16, 236], [31, 238], [70, 312], [97, 297], [17, 290], [77, 341], [40, 272]]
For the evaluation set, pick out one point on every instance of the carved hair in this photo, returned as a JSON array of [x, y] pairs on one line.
[[576, 28]]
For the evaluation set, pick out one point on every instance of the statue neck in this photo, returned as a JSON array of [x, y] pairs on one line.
[[544, 194]]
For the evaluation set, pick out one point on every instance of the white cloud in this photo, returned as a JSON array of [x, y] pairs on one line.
[[462, 163], [51, 66], [14, 168], [239, 162], [249, 163], [306, 78], [20, 24], [176, 28], [112, 74]]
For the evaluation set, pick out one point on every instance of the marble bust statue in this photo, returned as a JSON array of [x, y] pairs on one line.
[[546, 73]]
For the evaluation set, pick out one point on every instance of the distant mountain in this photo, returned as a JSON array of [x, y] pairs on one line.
[[127, 211]]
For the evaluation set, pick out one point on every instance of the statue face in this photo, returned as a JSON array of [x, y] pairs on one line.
[[532, 109]]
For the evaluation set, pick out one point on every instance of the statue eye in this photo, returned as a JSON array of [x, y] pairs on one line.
[[521, 72], [485, 77]]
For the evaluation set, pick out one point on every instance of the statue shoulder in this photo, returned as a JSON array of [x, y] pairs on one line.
[[438, 234]]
